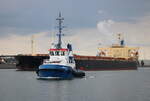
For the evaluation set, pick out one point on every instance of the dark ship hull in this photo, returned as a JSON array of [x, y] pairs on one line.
[[82, 63], [29, 62], [104, 63]]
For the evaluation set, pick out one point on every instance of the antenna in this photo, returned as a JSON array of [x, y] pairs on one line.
[[60, 27]]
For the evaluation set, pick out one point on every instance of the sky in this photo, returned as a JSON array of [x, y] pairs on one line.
[[89, 24]]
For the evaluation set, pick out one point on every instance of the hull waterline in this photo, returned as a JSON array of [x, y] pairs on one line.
[[54, 72]]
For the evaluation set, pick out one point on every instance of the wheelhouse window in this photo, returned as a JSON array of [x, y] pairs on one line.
[[51, 53], [62, 53], [71, 60], [57, 53]]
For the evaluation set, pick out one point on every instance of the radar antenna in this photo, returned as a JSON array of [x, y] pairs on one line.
[[60, 27]]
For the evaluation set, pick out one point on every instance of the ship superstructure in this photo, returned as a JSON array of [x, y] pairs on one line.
[[119, 50], [116, 57]]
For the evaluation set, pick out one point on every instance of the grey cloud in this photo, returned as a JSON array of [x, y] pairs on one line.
[[39, 15]]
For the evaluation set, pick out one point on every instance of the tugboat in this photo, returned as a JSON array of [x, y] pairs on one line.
[[61, 63]]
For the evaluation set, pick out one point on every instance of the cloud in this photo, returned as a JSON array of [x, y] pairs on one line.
[[18, 44], [10, 31], [101, 12], [104, 27], [106, 30], [21, 44], [15, 45], [135, 34], [85, 41]]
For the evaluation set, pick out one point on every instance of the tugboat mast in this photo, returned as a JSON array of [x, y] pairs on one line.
[[60, 27]]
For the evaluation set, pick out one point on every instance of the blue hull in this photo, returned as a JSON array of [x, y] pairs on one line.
[[55, 72]]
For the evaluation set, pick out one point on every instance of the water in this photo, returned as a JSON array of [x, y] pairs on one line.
[[96, 86]]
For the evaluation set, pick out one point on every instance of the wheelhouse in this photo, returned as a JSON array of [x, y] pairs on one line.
[[58, 52]]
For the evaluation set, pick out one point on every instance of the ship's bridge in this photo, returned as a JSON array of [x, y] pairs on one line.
[[119, 52], [58, 52]]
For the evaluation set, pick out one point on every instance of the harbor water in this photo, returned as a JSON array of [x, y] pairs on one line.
[[133, 85]]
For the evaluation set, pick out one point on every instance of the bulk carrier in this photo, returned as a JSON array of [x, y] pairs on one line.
[[116, 57]]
